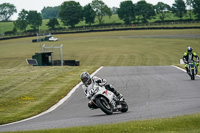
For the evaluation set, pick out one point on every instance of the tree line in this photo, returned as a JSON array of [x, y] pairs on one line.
[[71, 13]]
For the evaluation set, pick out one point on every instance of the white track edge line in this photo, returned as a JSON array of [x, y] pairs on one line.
[[182, 69], [54, 106]]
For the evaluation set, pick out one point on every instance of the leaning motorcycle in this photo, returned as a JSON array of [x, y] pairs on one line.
[[106, 100], [192, 67]]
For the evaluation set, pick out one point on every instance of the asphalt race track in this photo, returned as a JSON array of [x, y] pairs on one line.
[[150, 91]]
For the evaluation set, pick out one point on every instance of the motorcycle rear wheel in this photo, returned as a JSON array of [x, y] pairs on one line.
[[104, 105], [124, 107]]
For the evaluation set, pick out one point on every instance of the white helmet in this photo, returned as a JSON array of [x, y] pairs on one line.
[[189, 49], [85, 78]]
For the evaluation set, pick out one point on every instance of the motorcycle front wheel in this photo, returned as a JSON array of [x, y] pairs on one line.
[[104, 105], [192, 75]]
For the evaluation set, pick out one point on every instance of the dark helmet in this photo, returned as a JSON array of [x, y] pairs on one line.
[[189, 49], [85, 78]]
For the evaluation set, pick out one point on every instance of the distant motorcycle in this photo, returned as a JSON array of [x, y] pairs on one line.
[[106, 100], [192, 67]]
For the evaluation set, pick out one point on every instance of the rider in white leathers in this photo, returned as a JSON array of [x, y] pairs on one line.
[[87, 80]]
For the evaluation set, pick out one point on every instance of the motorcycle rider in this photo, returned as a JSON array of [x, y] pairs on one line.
[[87, 80], [188, 56]]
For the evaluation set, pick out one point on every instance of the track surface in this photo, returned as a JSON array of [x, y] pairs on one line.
[[150, 91]]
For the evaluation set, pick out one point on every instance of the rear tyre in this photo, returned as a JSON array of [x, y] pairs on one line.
[[104, 105], [124, 107]]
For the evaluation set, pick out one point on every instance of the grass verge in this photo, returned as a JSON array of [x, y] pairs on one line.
[[27, 91], [179, 124]]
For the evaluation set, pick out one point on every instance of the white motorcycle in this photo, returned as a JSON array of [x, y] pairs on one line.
[[106, 100]]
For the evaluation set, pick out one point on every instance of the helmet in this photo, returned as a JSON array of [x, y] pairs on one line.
[[189, 49], [85, 78]]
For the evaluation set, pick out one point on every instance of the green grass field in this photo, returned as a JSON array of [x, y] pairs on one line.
[[25, 89], [8, 26]]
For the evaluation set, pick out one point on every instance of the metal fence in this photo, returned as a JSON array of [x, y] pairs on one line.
[[106, 27]]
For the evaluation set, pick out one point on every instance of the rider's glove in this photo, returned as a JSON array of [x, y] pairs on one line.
[[90, 94], [98, 81], [91, 91]]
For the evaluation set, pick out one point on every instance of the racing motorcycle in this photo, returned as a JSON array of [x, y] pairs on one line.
[[192, 67], [106, 100]]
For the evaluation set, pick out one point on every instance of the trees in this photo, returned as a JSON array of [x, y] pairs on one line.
[[126, 11], [21, 23], [52, 23], [144, 10], [89, 14], [196, 6], [50, 12], [34, 19], [162, 9], [179, 8], [101, 10], [114, 10], [6, 11], [70, 13], [189, 3], [28, 17]]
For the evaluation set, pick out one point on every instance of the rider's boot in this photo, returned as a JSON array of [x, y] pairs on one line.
[[119, 96], [111, 88]]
